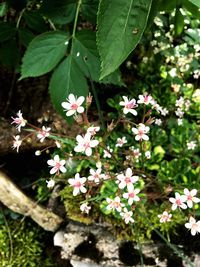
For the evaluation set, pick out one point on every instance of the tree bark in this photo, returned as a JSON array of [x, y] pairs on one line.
[[12, 197]]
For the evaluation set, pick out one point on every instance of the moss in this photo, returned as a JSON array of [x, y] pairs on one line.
[[21, 246]]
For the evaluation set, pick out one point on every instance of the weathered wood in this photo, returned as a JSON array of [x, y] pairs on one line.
[[12, 197]]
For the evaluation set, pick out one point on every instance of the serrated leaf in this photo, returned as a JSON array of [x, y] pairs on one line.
[[7, 31], [195, 2], [67, 78], [59, 11], [87, 58], [44, 53], [121, 24]]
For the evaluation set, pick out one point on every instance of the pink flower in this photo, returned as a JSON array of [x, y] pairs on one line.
[[191, 197], [129, 105], [57, 164], [43, 133], [178, 201], [121, 141], [131, 195], [144, 99], [73, 105], [140, 132], [193, 225], [85, 208], [114, 204], [19, 121], [125, 180], [93, 130], [165, 217], [85, 144], [96, 175], [127, 216], [17, 142], [106, 153], [78, 184]]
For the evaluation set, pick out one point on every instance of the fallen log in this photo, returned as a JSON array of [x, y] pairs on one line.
[[12, 197]]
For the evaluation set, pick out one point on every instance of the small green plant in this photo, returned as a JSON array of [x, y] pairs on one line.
[[21, 245]]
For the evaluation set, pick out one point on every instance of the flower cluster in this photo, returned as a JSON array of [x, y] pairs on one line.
[[114, 170]]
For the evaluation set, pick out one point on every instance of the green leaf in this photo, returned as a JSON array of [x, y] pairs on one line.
[[193, 9], [7, 31], [179, 22], [87, 58], [89, 9], [44, 53], [35, 21], [9, 54], [59, 11], [3, 9], [25, 36], [195, 2], [121, 24], [67, 78]]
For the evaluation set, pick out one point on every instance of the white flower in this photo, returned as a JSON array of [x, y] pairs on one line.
[[178, 201], [93, 130], [193, 225], [106, 152], [50, 183], [191, 197], [85, 208], [19, 121], [57, 164], [43, 133], [73, 105], [191, 145], [85, 144], [148, 154], [164, 111], [78, 184], [129, 105], [173, 72], [158, 122], [132, 194], [144, 99], [140, 132], [180, 102], [179, 113], [136, 153], [165, 217], [96, 175], [17, 142], [127, 216], [125, 180], [114, 204], [180, 121], [121, 141]]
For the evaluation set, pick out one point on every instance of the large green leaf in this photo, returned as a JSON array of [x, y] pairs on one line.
[[87, 58], [121, 24], [35, 21], [3, 9], [195, 2], [44, 53], [67, 78], [59, 11], [89, 10], [7, 31]]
